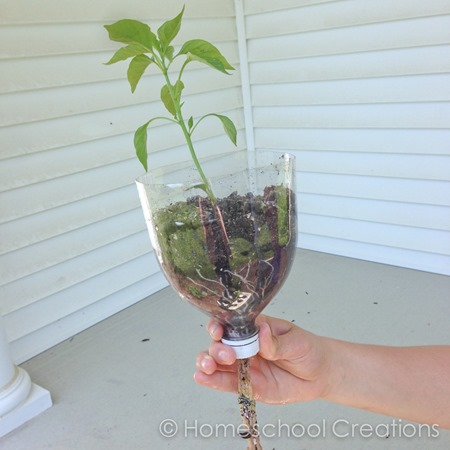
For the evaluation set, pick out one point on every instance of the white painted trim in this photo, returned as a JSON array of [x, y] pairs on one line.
[[37, 402], [20, 400], [245, 76]]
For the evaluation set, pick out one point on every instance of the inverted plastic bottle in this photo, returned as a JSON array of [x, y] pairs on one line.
[[229, 259]]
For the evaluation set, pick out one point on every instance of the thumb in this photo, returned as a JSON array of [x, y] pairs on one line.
[[275, 342], [282, 340]]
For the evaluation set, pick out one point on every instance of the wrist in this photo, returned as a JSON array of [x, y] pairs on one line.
[[335, 368]]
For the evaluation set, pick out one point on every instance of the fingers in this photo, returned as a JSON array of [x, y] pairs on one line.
[[222, 353], [206, 363], [221, 381], [275, 339], [219, 357], [217, 368], [215, 329]]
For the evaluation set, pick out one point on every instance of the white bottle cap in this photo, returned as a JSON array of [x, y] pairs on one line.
[[244, 348]]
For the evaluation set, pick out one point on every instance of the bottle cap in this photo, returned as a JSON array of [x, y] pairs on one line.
[[244, 348]]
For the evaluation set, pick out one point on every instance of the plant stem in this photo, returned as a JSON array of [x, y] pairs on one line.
[[248, 405], [187, 135]]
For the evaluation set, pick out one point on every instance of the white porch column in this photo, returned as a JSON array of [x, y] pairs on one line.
[[20, 399]]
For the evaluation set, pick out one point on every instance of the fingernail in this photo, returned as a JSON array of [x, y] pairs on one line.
[[223, 355], [263, 327], [212, 329]]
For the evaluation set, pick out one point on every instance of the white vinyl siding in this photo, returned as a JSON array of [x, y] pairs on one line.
[[359, 91], [74, 248]]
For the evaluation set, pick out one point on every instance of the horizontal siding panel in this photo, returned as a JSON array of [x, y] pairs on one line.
[[429, 262], [27, 74], [415, 61], [61, 102], [26, 170], [31, 344], [44, 225], [411, 141], [262, 6], [406, 115], [24, 201], [166, 141], [375, 188], [73, 38], [39, 256], [393, 213], [45, 135], [33, 72], [420, 88], [36, 286], [59, 132], [388, 35], [340, 14], [410, 238], [204, 148], [359, 92], [45, 195], [419, 167], [61, 304], [22, 11]]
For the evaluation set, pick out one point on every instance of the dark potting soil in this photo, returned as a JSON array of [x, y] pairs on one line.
[[231, 258]]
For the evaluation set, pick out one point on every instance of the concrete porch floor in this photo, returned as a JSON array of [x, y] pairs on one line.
[[115, 384]]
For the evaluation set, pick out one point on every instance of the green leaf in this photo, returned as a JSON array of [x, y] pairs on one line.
[[168, 30], [169, 53], [127, 52], [206, 53], [167, 98], [190, 122], [136, 69], [228, 126], [140, 144], [179, 86], [201, 186], [130, 31]]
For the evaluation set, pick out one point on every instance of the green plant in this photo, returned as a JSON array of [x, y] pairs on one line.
[[149, 49]]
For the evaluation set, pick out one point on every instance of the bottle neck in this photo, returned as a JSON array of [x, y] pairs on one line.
[[244, 347]]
